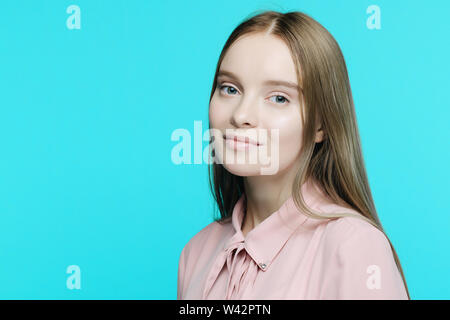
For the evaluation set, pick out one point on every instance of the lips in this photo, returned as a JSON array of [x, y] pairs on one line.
[[242, 139]]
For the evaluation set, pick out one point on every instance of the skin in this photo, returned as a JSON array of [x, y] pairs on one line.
[[244, 103]]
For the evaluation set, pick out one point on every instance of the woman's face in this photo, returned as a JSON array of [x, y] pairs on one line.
[[256, 96]]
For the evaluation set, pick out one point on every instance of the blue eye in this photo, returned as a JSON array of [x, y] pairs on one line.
[[222, 87], [283, 99]]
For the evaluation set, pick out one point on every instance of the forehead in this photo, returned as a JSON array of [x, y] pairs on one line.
[[260, 57]]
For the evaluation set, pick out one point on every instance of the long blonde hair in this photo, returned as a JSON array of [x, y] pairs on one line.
[[336, 163]]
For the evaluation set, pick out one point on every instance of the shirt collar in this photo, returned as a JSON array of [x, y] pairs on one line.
[[265, 240]]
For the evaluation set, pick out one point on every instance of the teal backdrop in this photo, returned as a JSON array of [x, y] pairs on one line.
[[87, 114]]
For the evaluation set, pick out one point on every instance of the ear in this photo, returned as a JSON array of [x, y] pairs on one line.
[[319, 135]]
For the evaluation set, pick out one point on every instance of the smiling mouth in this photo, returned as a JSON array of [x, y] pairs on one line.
[[237, 143]]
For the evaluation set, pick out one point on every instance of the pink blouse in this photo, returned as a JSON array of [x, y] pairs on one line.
[[290, 256]]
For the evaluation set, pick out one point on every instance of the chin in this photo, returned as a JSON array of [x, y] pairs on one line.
[[245, 170]]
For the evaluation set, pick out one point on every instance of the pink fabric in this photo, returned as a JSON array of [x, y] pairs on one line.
[[290, 256]]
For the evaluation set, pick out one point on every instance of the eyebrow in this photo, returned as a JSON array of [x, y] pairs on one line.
[[267, 82]]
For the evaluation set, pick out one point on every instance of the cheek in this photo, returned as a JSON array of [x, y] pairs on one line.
[[290, 138], [218, 114]]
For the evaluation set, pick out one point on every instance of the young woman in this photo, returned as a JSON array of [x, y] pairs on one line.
[[309, 228]]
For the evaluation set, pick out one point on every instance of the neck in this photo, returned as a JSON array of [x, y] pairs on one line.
[[265, 195]]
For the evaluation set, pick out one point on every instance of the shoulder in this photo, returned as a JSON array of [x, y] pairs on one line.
[[351, 232], [345, 228], [354, 238], [208, 237], [361, 263]]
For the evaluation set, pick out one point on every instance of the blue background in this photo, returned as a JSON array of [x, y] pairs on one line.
[[86, 116]]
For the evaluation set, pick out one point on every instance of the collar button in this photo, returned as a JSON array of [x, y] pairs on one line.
[[262, 265]]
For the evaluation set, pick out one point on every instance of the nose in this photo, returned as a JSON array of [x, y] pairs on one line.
[[245, 113]]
